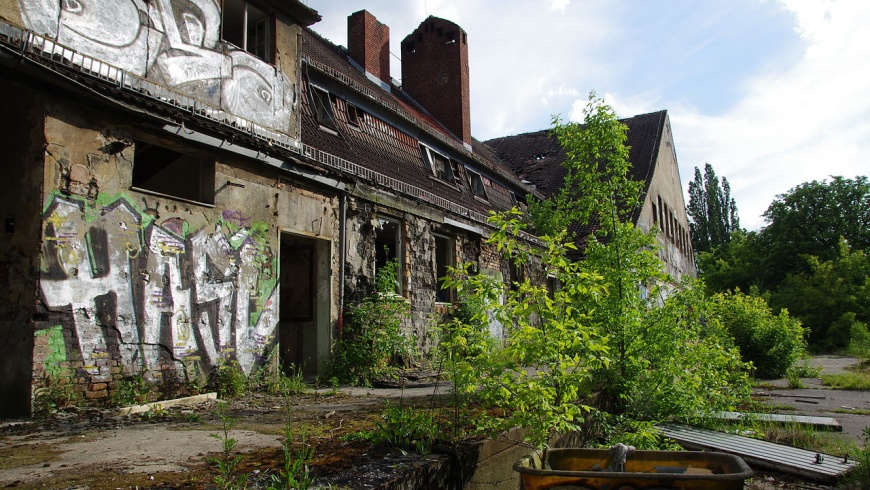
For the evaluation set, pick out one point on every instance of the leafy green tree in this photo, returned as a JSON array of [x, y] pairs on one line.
[[608, 337], [809, 220], [712, 210], [829, 297], [732, 265]]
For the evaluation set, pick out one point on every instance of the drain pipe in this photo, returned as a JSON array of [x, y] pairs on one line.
[[342, 239]]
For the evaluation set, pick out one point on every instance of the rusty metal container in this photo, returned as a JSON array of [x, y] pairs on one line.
[[582, 469]]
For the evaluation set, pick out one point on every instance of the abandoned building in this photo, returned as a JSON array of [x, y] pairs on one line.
[[537, 158], [209, 182]]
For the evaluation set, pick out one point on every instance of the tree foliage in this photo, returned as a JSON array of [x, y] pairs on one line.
[[772, 343], [809, 259], [607, 341], [829, 297], [712, 210], [596, 188], [809, 220]]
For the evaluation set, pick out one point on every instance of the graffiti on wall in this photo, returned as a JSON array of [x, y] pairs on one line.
[[173, 42], [146, 294]]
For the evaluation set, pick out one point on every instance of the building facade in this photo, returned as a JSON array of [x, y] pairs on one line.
[[211, 182]]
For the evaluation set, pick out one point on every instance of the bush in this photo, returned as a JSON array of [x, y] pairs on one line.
[[228, 380], [771, 342], [372, 341]]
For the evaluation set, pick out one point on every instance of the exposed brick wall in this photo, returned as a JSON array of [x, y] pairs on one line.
[[435, 73], [368, 43]]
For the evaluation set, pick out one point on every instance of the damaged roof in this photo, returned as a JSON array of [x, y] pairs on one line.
[[382, 131], [537, 157]]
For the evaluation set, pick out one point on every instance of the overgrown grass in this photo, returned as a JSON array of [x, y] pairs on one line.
[[858, 381]]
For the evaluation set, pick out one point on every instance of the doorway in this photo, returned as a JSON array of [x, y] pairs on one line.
[[303, 329]]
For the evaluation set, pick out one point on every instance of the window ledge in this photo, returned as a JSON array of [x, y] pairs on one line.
[[170, 196]]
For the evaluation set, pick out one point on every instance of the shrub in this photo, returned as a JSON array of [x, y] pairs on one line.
[[228, 380], [771, 342], [372, 340]]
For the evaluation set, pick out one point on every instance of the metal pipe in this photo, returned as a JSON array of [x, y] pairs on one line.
[[342, 251]]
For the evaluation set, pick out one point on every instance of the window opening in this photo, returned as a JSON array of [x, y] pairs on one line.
[[442, 167], [443, 261], [248, 28], [322, 104], [354, 115], [476, 182], [517, 275], [388, 247], [164, 171]]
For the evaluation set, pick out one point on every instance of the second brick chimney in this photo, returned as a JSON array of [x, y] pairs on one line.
[[435, 73], [368, 44]]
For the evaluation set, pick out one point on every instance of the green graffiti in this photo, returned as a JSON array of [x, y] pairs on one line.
[[55, 350]]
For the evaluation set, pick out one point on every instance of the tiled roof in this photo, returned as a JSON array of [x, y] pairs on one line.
[[381, 146], [537, 157]]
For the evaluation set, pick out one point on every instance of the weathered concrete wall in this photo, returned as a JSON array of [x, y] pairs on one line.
[[20, 206], [176, 44], [136, 283], [665, 198]]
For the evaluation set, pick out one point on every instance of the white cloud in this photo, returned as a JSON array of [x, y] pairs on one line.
[[802, 123], [559, 5]]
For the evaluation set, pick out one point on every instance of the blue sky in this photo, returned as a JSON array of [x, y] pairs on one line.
[[772, 93]]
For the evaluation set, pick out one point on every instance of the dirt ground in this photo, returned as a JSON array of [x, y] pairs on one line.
[[99, 449]]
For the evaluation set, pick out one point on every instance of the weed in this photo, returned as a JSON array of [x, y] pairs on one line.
[[228, 380], [228, 477], [794, 379], [132, 390], [372, 343], [296, 474], [192, 417], [403, 428], [859, 477], [806, 370], [858, 381], [51, 394]]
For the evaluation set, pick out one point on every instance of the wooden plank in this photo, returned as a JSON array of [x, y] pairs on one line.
[[822, 423], [824, 468]]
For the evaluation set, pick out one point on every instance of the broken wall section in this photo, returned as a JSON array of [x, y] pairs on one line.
[[135, 282]]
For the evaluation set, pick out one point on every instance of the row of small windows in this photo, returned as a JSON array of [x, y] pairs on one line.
[[670, 226]]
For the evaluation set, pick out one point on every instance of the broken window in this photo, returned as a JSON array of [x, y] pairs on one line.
[[249, 29], [444, 259], [388, 247], [322, 105], [354, 115], [441, 166], [476, 182], [164, 171]]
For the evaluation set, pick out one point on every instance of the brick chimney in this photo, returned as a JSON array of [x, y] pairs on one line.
[[435, 73], [368, 44]]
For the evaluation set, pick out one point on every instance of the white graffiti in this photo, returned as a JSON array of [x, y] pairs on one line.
[[162, 311], [173, 42]]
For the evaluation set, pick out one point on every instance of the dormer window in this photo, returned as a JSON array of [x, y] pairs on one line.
[[441, 166], [354, 115], [249, 28], [476, 183], [321, 104]]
